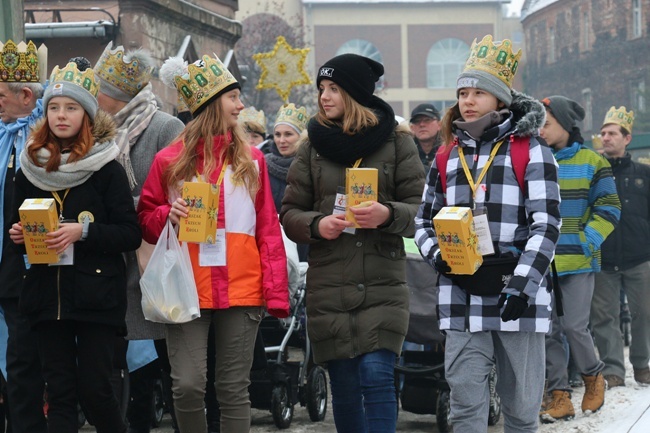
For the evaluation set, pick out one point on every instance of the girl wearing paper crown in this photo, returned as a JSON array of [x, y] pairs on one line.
[[357, 298], [493, 162], [78, 306], [248, 274]]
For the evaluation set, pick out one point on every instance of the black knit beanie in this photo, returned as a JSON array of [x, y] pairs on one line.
[[566, 111], [356, 74]]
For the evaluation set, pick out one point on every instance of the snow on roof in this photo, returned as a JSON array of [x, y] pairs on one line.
[[532, 6]]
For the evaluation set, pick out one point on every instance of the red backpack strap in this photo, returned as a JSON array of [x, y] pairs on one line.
[[442, 156], [519, 154]]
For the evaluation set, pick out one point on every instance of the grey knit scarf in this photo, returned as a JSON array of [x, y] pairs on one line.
[[69, 174], [132, 121]]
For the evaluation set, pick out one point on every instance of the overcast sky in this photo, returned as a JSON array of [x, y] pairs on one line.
[[515, 6]]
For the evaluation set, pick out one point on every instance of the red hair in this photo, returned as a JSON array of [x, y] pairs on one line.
[[43, 137]]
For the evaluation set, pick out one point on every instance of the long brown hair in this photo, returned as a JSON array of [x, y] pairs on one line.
[[210, 123], [43, 137], [446, 124], [356, 117]]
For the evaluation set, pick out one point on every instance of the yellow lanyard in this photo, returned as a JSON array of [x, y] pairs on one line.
[[221, 175], [470, 179], [60, 201], [357, 163]]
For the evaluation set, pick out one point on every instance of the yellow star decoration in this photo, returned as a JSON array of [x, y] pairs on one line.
[[283, 68]]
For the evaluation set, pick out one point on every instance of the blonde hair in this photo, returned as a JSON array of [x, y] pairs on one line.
[[356, 117], [210, 123]]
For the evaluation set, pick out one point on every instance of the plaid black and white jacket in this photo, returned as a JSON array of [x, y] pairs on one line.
[[525, 222]]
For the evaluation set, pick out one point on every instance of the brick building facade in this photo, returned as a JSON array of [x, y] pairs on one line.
[[167, 28], [594, 51]]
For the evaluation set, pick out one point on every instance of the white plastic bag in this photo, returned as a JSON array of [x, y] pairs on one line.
[[168, 289]]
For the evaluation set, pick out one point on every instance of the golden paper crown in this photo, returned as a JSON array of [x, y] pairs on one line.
[[597, 141], [70, 74], [205, 79], [22, 62], [293, 115], [621, 117], [250, 114], [494, 58], [128, 77]]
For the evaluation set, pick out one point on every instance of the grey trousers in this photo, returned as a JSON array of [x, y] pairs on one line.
[[519, 357], [187, 343], [605, 320], [577, 291]]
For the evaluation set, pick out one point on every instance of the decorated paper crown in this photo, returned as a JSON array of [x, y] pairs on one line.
[[22, 62], [495, 59], [70, 74], [597, 141], [250, 114], [620, 117], [199, 82], [293, 115], [127, 76]]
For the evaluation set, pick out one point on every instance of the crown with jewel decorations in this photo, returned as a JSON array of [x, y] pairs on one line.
[[620, 116], [22, 63], [249, 116], [202, 81], [495, 58], [124, 71], [295, 116], [70, 74]]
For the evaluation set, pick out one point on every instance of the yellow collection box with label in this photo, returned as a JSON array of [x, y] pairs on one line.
[[38, 217], [361, 186], [458, 242], [200, 226]]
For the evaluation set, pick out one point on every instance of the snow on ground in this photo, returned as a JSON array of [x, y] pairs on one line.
[[626, 410]]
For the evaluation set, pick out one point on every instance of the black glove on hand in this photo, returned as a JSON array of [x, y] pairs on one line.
[[515, 306], [440, 264]]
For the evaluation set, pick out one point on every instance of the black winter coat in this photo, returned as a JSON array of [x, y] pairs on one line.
[[629, 244]]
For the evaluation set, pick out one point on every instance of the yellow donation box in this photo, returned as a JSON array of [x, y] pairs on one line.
[[457, 240], [360, 187], [38, 217], [200, 226]]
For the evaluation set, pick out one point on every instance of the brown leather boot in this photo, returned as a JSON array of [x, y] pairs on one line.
[[594, 397], [642, 375], [560, 407]]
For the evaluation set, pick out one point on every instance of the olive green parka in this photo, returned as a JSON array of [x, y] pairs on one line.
[[357, 298]]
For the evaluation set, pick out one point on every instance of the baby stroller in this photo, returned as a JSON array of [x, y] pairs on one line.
[[420, 373], [290, 376]]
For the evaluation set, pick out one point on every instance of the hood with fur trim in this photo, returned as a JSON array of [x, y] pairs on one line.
[[528, 114], [104, 128]]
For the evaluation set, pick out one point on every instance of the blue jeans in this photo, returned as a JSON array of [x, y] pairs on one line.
[[363, 393]]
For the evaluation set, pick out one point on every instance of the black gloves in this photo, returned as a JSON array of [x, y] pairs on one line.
[[440, 264], [515, 306]]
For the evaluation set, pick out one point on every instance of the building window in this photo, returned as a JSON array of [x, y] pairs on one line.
[[366, 49], [588, 123], [637, 90], [445, 62], [637, 25], [551, 45], [586, 29]]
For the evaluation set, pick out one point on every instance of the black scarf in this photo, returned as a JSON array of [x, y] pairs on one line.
[[333, 144], [278, 165]]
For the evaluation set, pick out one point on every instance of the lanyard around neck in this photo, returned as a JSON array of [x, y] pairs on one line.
[[470, 179], [221, 175], [60, 201]]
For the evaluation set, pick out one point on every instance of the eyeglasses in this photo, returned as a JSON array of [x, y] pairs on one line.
[[424, 120]]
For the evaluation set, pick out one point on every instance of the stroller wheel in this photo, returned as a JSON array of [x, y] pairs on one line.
[[281, 406], [316, 391], [443, 412], [495, 401]]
